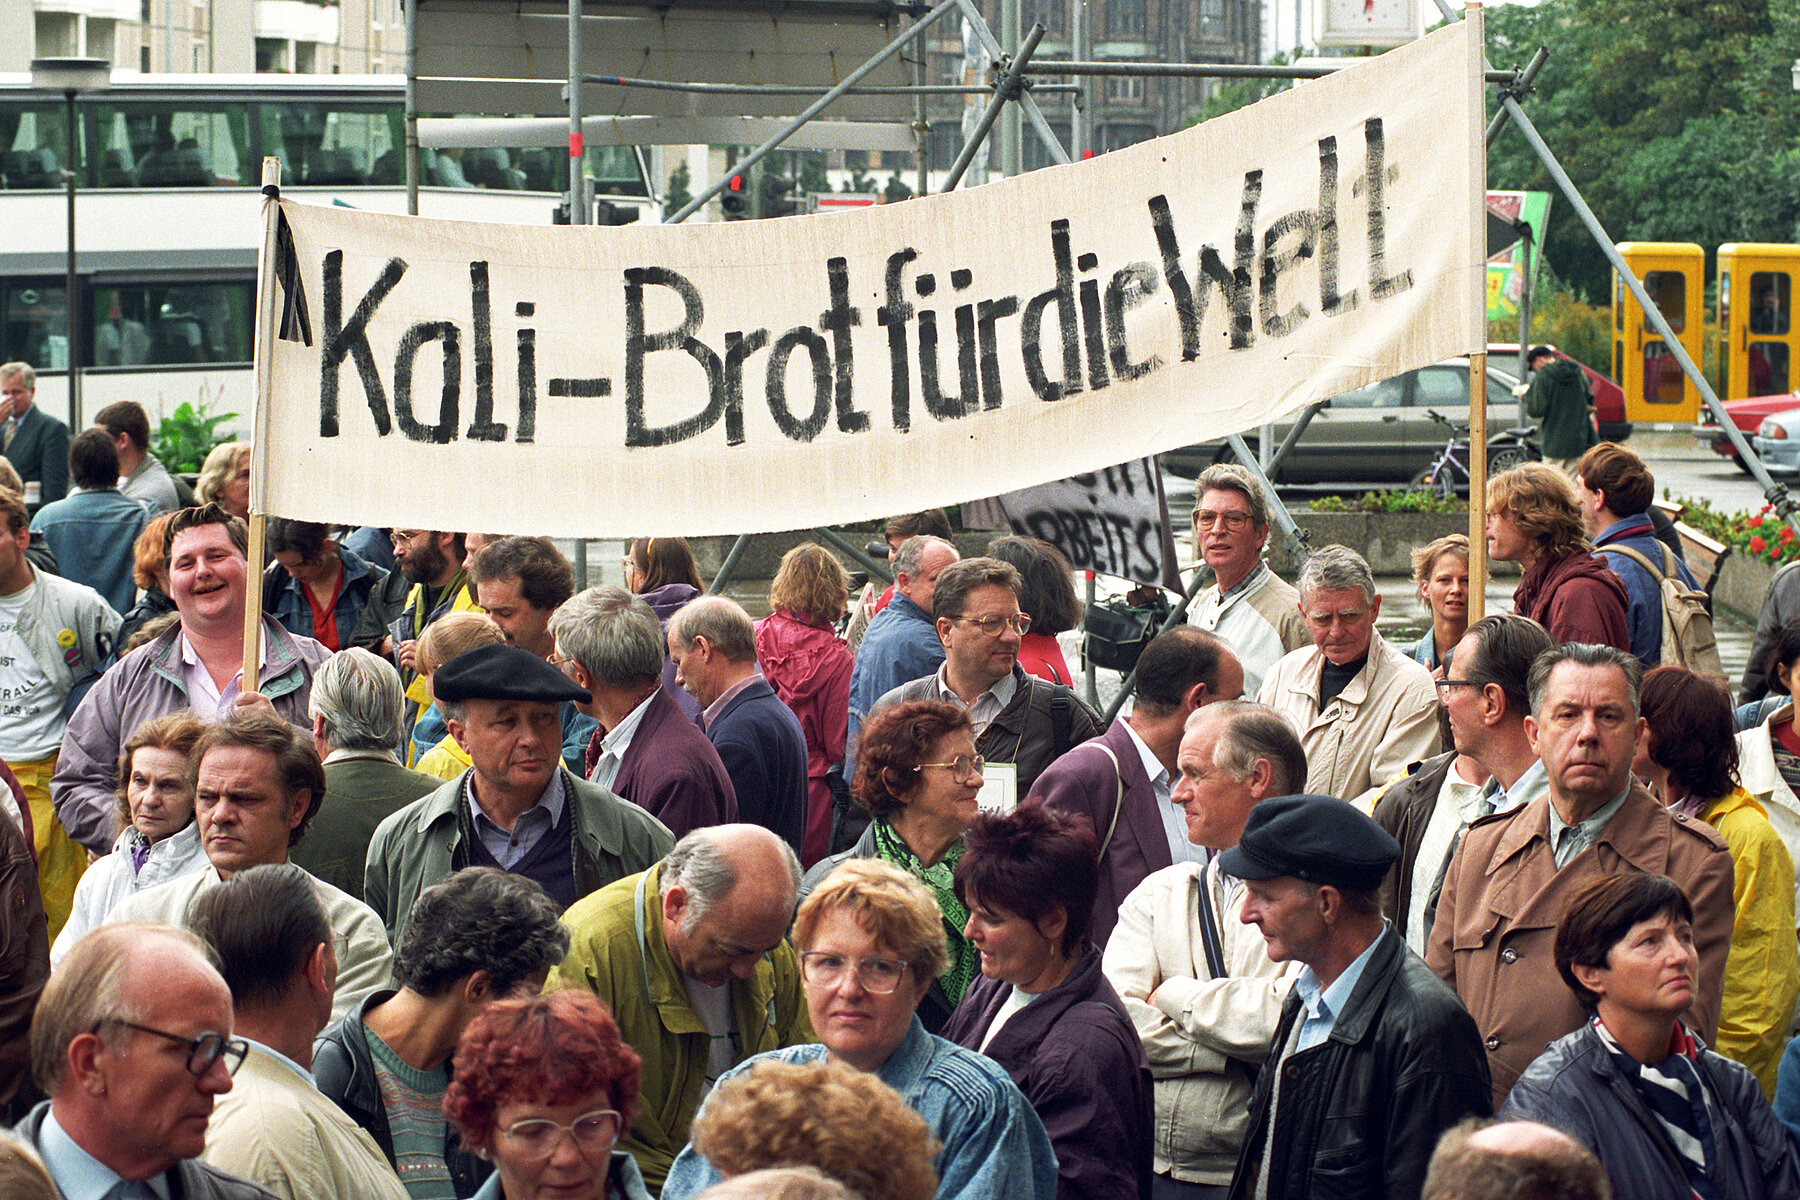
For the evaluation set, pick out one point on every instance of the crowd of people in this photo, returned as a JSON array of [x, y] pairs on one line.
[[471, 884]]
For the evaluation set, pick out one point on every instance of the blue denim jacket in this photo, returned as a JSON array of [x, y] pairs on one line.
[[994, 1146]]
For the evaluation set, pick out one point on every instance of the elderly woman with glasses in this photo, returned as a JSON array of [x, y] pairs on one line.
[[871, 940], [1668, 1118], [543, 1088], [917, 773], [1042, 1009]]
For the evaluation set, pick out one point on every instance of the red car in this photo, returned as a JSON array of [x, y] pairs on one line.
[[1609, 397], [1747, 414]]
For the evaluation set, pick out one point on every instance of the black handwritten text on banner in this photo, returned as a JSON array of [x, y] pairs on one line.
[[778, 374]]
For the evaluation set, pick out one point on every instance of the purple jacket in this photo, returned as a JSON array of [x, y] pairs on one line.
[[671, 771], [1084, 781], [1075, 1054], [148, 683]]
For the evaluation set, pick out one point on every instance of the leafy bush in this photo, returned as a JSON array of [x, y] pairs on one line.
[[1390, 502], [1699, 512], [186, 436]]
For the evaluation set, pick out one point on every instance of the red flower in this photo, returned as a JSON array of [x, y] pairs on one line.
[[1787, 534], [1757, 545]]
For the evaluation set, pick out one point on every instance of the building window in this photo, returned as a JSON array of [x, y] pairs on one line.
[[1126, 18], [58, 35], [1124, 89]]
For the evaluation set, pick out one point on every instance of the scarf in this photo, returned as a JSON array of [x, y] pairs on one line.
[[1675, 1092], [965, 959]]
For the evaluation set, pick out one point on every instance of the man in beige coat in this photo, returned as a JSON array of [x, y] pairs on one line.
[[1205, 1030], [1514, 872], [1364, 711]]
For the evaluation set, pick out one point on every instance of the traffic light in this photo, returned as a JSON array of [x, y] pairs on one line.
[[774, 197], [733, 201]]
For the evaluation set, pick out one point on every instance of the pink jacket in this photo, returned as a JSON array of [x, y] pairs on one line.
[[809, 667]]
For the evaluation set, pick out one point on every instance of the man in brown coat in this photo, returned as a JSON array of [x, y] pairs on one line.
[[1511, 878]]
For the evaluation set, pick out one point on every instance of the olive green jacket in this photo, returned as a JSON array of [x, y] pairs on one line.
[[425, 841], [616, 950]]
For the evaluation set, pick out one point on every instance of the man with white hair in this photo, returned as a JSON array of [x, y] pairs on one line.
[[644, 747], [1364, 711], [356, 707], [693, 960]]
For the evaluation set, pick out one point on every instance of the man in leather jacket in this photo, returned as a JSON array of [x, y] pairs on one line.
[[1374, 1057]]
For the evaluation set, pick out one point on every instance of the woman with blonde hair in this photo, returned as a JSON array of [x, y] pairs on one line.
[[225, 479], [1441, 575], [828, 1115], [871, 941], [809, 667]]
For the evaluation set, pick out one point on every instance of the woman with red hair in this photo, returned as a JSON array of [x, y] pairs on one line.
[[543, 1088]]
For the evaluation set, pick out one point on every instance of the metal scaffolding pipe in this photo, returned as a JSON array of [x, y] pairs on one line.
[[1005, 89], [1215, 70], [817, 106], [771, 89]]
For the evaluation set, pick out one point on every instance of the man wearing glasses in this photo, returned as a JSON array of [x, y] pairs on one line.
[[691, 956], [273, 941], [1247, 605], [713, 646], [1022, 723], [1486, 702], [132, 1043]]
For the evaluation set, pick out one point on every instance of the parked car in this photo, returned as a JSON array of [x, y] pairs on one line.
[[1382, 433], [1748, 414], [1777, 440]]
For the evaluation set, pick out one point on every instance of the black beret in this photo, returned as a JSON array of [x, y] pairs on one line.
[[1320, 839], [501, 672]]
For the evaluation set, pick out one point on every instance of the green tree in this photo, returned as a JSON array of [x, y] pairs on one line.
[[677, 194], [1675, 120]]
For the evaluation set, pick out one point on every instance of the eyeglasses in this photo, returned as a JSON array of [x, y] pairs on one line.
[[1443, 684], [1232, 521], [963, 766], [880, 976], [203, 1050], [401, 536], [991, 626], [592, 1132]]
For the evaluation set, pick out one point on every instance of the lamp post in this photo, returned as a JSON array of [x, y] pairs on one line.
[[71, 76]]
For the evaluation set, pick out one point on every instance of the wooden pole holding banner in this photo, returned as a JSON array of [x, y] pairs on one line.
[[1478, 424], [267, 267]]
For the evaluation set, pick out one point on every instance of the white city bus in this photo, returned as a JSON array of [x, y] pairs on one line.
[[168, 216]]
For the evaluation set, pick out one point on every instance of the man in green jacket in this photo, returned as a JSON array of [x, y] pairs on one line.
[[1561, 400], [517, 807], [692, 957]]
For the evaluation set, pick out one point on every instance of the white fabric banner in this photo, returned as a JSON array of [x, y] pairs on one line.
[[773, 375]]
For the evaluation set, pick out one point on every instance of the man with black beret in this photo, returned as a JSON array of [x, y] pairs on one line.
[[1374, 1057], [518, 807]]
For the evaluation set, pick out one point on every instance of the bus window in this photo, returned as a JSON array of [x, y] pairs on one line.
[[166, 145], [32, 143], [1668, 291], [34, 323], [170, 324]]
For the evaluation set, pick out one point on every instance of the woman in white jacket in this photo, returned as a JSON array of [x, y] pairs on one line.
[[160, 839]]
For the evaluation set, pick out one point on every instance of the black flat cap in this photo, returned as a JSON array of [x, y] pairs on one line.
[[500, 672], [1320, 839]]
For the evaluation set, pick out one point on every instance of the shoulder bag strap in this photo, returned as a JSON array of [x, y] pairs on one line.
[[1118, 797], [1209, 925]]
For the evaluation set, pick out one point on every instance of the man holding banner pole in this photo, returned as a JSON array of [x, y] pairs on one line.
[[197, 665]]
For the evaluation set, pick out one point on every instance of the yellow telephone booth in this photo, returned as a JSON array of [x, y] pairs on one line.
[[1758, 336], [1673, 273]]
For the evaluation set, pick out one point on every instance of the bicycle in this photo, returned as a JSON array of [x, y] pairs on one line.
[[1514, 446]]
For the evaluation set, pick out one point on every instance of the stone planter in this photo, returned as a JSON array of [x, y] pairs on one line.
[[1743, 581], [1387, 540]]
